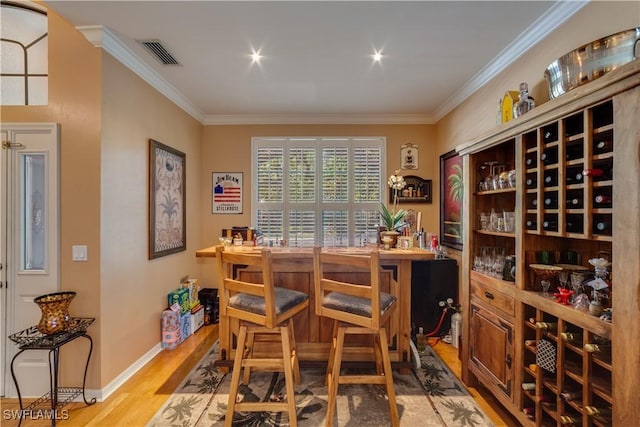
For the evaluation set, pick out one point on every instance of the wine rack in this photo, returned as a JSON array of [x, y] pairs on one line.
[[567, 153], [580, 388]]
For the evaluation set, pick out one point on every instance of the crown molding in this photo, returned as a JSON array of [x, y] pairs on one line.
[[316, 119], [100, 36], [555, 16]]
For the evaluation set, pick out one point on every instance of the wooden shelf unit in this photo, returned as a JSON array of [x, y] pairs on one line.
[[564, 212]]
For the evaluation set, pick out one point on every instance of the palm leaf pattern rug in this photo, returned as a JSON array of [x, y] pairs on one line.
[[429, 396]]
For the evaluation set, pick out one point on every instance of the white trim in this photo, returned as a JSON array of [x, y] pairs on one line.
[[118, 381], [555, 16], [297, 119]]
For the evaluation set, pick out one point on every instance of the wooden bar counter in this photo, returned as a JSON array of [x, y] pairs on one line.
[[293, 269]]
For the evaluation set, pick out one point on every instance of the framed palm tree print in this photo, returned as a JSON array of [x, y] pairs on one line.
[[167, 200], [451, 193]]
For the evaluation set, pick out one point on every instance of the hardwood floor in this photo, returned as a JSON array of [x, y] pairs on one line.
[[136, 401]]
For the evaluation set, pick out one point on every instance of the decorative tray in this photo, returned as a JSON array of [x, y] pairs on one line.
[[32, 337]]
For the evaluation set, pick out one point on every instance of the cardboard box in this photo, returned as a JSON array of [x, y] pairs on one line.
[[197, 318], [170, 327], [185, 326], [180, 296]]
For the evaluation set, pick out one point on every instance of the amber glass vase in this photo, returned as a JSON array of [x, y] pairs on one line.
[[55, 312]]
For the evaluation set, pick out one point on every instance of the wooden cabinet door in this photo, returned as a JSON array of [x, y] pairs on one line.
[[491, 349]]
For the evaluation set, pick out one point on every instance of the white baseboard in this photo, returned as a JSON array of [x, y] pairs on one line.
[[105, 392]]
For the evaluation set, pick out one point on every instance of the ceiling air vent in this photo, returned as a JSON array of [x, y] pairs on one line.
[[159, 51]]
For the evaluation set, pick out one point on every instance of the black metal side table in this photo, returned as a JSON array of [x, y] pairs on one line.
[[32, 339]]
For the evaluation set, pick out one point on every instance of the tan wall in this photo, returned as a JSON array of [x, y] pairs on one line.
[[228, 149], [134, 289]]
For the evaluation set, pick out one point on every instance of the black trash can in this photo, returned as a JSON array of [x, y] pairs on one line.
[[209, 299]]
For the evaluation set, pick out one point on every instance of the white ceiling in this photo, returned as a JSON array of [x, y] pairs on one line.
[[317, 65]]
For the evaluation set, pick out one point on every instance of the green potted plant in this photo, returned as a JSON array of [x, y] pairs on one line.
[[394, 218]]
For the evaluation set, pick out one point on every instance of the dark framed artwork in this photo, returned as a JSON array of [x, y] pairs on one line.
[[167, 200], [451, 193]]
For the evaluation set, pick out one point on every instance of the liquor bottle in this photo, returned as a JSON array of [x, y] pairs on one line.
[[549, 157], [598, 348], [568, 396], [602, 226], [550, 180], [569, 419], [574, 178], [525, 103], [571, 337], [594, 411], [550, 225], [547, 326], [602, 146], [529, 386], [574, 203], [551, 202], [531, 225], [602, 199]]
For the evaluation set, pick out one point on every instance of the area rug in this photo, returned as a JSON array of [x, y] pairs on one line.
[[429, 396]]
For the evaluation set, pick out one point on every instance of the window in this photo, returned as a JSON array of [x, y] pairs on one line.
[[325, 191], [24, 57]]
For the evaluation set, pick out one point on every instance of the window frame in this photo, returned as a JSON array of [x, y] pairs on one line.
[[318, 206]]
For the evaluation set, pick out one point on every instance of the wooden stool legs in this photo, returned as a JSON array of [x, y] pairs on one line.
[[383, 376], [244, 360]]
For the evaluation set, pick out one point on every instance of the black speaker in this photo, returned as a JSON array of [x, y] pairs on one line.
[[209, 299], [432, 281]]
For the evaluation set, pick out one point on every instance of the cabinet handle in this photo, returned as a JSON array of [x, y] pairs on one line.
[[489, 295], [508, 361]]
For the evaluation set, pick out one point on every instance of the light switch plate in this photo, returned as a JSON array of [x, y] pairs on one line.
[[79, 253]]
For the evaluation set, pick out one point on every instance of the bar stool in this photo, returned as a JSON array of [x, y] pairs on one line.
[[261, 308], [356, 309]]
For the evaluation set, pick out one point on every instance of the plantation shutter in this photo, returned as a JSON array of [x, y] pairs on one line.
[[318, 190]]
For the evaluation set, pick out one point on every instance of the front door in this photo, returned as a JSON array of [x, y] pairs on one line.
[[29, 249]]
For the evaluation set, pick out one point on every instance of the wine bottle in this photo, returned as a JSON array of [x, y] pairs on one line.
[[530, 182], [602, 199], [529, 386], [594, 411], [597, 174], [530, 343], [574, 152], [597, 348], [534, 202], [551, 202], [550, 180], [529, 412], [574, 227], [574, 178], [574, 203], [569, 419], [549, 157], [550, 135], [531, 225], [602, 226], [547, 326], [550, 225], [571, 337], [602, 146], [568, 396], [530, 162]]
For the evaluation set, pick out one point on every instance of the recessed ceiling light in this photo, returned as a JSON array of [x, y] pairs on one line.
[[255, 56], [377, 56]]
